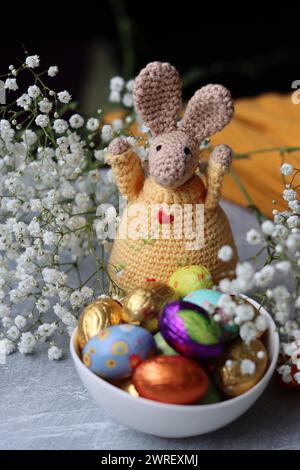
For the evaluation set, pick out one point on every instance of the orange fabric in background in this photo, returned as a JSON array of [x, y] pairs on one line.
[[269, 120], [266, 121]]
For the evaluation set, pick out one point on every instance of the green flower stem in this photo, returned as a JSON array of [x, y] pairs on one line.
[[287, 149]]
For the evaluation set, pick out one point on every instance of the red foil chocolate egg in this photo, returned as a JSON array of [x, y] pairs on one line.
[[171, 379]]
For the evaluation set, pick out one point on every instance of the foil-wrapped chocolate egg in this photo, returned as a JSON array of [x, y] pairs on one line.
[[210, 297], [190, 278], [162, 346], [212, 395], [117, 350], [143, 305], [128, 386], [240, 367], [189, 330], [97, 316], [171, 379]]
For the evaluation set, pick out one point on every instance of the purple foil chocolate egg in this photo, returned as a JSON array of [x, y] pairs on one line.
[[189, 330]]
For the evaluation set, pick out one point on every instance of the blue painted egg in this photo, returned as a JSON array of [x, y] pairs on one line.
[[206, 297], [203, 297], [116, 351]]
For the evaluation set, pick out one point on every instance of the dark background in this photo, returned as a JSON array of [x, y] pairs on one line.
[[250, 51]]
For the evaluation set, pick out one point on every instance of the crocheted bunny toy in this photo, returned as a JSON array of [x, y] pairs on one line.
[[172, 181]]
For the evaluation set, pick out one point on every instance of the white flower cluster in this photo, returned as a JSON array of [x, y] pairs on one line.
[[235, 311], [121, 91], [279, 239], [290, 370], [51, 193]]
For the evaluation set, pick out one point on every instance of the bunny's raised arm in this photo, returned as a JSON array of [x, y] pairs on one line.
[[126, 167]]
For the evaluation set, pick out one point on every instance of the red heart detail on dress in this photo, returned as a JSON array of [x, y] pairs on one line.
[[150, 279], [164, 218]]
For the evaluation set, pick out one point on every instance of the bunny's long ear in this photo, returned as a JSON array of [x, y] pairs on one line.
[[208, 111], [157, 96]]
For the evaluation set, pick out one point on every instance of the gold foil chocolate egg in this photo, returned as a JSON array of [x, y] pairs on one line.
[[240, 367], [143, 305], [171, 379], [97, 316], [128, 386]]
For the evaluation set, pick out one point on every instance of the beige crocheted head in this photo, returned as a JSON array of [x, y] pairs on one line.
[[173, 154]]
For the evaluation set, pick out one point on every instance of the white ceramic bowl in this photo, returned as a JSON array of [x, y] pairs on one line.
[[168, 420]]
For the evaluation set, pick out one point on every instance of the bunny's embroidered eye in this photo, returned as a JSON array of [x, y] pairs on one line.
[[158, 148], [187, 151]]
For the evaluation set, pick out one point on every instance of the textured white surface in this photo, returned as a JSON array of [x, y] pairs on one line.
[[44, 406]]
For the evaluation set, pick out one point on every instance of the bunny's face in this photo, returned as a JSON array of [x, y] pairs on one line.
[[173, 159], [173, 156]]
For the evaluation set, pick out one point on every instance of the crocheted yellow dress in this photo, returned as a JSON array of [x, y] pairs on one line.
[[136, 259]]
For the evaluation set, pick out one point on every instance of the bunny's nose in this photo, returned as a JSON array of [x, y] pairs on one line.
[[168, 172]]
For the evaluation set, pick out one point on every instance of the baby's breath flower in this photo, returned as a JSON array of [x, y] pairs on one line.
[[99, 155], [64, 97], [76, 121], [117, 124], [244, 312], [11, 84], [87, 293], [286, 169], [29, 137], [24, 101], [114, 96], [42, 305], [225, 253], [248, 367], [5, 311], [289, 195], [267, 227], [254, 237], [45, 105], [107, 133], [60, 126], [264, 276], [53, 71], [92, 124], [20, 322], [225, 285], [127, 100], [261, 323], [27, 343], [117, 84], [293, 221], [7, 347], [7, 322], [283, 266], [76, 298], [54, 353], [34, 91], [248, 332], [94, 176], [42, 120], [13, 333], [129, 85], [32, 61], [280, 233]]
